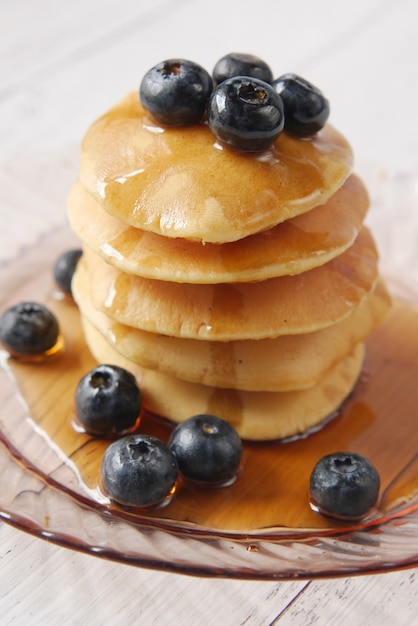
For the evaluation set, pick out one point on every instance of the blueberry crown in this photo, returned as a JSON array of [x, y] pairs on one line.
[[243, 105]]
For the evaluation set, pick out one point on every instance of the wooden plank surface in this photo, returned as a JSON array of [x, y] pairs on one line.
[[61, 65]]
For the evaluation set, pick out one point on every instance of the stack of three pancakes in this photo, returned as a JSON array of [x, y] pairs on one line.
[[242, 285]]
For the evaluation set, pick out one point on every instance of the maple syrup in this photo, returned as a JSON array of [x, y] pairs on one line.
[[271, 494]]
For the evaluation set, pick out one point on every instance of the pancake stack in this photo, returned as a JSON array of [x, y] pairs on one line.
[[242, 285]]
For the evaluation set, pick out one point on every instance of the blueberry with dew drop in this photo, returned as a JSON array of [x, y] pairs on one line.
[[305, 108], [344, 485], [64, 269], [139, 470], [107, 400], [28, 328], [240, 64], [246, 114], [208, 449], [176, 92]]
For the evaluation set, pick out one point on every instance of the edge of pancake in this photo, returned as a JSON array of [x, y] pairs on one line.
[[294, 246], [286, 363], [236, 311], [257, 416]]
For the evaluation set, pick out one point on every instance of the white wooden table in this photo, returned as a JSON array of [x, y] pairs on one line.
[[63, 64]]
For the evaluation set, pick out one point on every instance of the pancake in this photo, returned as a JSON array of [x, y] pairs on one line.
[[295, 246], [283, 364], [179, 182], [257, 416], [287, 305]]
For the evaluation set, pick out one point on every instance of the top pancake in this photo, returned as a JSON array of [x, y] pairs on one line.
[[179, 182], [295, 246]]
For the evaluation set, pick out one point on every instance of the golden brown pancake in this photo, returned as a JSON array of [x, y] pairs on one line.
[[287, 305], [295, 246], [257, 416], [179, 182], [282, 364]]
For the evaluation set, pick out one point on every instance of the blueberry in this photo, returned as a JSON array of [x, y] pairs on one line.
[[28, 328], [305, 108], [64, 269], [208, 449], [139, 470], [344, 485], [107, 400], [246, 113], [176, 92], [238, 64]]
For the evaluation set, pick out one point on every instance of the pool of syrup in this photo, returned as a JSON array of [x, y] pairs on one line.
[[271, 494]]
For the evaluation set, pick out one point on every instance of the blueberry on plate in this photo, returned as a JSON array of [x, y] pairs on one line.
[[139, 470], [208, 449], [239, 64], [28, 328], [64, 268], [305, 108], [176, 92], [344, 485], [246, 113], [108, 400]]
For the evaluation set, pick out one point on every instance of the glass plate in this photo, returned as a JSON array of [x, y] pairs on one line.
[[44, 493]]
